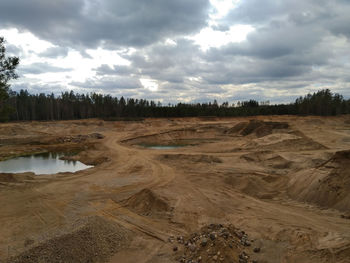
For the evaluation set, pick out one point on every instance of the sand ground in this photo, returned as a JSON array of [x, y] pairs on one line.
[[284, 180]]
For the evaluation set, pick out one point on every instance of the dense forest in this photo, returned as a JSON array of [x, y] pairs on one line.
[[70, 105]]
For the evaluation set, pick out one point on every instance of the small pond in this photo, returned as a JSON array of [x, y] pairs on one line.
[[47, 163], [161, 147]]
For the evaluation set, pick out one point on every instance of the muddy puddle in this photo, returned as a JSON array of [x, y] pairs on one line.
[[45, 163]]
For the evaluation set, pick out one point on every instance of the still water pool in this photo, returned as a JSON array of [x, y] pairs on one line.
[[162, 147], [47, 163]]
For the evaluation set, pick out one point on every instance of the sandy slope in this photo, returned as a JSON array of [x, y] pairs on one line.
[[283, 180]]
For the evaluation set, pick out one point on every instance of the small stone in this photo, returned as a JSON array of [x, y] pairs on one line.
[[199, 258], [215, 257], [212, 236], [243, 255], [204, 242], [192, 247], [218, 253], [257, 250]]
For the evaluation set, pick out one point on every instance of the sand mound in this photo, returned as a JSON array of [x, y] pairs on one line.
[[192, 158], [95, 241], [146, 202], [259, 128], [342, 157], [267, 158], [285, 142], [314, 122], [327, 186], [215, 243], [187, 136], [237, 128], [256, 185]]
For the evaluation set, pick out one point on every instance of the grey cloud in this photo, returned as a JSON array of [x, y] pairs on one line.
[[296, 46], [165, 63], [115, 70], [39, 68], [47, 19], [221, 27], [13, 50], [112, 84], [330, 15], [339, 24], [105, 22], [256, 12], [55, 52]]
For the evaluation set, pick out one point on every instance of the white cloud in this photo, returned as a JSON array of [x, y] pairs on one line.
[[222, 7], [149, 84], [26, 40], [208, 37]]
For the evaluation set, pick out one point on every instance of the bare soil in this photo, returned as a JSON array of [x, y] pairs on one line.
[[257, 189]]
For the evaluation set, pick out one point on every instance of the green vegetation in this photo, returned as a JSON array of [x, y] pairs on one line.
[[7, 72], [70, 105]]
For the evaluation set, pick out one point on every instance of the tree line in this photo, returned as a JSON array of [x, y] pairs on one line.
[[69, 105], [23, 106]]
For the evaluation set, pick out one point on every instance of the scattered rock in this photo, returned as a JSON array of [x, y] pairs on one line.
[[345, 216], [96, 136], [257, 250], [212, 236], [204, 242], [214, 243], [192, 247], [243, 258]]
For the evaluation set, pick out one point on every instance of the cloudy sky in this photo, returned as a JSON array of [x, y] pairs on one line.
[[183, 50]]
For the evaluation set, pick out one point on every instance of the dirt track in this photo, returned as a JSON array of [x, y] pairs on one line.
[[285, 181]]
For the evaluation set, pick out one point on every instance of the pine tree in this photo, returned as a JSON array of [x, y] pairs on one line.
[[7, 72]]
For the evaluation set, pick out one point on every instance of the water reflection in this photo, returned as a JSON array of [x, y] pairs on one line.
[[45, 163]]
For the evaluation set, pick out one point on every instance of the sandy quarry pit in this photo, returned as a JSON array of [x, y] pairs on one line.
[[257, 189]]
